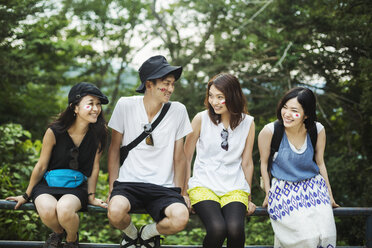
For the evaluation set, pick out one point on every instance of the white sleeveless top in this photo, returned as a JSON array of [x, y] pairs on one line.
[[215, 168]]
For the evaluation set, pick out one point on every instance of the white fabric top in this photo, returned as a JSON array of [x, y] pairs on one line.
[[319, 127], [145, 163], [215, 168]]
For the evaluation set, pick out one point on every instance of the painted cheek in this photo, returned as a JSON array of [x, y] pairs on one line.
[[88, 107], [223, 101], [296, 115]]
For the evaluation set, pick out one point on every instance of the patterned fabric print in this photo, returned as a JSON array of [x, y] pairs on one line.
[[235, 196], [301, 214], [286, 200], [198, 194]]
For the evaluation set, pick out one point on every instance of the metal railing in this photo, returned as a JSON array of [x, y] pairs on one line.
[[260, 211]]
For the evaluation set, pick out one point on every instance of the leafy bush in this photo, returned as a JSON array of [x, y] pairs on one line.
[[18, 154]]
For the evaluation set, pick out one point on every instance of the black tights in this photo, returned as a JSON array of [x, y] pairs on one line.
[[221, 223]]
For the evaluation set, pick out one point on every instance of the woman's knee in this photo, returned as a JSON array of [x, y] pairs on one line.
[[217, 230], [67, 207], [235, 229], [65, 212], [47, 209], [47, 212]]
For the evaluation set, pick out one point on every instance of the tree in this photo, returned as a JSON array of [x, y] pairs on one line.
[[111, 26]]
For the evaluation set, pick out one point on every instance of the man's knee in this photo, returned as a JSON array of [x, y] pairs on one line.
[[178, 215], [118, 208]]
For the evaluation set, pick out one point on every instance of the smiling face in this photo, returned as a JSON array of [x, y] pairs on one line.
[[163, 88], [292, 113], [217, 100], [88, 109]]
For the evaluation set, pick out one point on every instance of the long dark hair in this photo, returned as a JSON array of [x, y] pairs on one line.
[[65, 120], [307, 100], [235, 102]]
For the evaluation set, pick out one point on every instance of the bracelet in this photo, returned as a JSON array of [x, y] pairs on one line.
[[92, 193], [26, 197]]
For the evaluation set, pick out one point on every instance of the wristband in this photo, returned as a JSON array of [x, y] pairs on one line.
[[26, 197], [92, 193]]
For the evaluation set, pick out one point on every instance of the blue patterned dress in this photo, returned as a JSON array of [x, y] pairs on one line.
[[300, 211]]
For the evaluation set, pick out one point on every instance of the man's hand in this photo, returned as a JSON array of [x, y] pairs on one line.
[[187, 200]]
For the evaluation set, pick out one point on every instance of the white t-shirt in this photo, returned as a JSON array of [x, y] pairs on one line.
[[145, 163], [215, 168]]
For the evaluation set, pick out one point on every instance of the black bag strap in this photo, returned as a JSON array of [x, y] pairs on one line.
[[275, 143], [143, 135]]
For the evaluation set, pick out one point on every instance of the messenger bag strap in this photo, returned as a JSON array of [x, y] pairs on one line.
[[143, 135]]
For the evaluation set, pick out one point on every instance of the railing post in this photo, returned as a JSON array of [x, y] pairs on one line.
[[369, 231]]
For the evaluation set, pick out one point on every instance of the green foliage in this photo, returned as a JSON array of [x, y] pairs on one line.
[[18, 154], [259, 231]]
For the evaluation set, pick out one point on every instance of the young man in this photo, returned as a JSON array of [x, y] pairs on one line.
[[152, 176]]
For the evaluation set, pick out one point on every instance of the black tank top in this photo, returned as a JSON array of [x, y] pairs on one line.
[[61, 153]]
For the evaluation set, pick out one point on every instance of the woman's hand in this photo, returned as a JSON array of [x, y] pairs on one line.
[[265, 202], [97, 202], [251, 208], [19, 199], [334, 204]]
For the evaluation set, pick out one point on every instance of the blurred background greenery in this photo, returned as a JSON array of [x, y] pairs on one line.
[[271, 46]]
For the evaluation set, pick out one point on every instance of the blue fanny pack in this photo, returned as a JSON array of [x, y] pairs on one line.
[[65, 178]]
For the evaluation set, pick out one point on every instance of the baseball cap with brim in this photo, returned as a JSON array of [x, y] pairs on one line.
[[154, 68], [80, 90]]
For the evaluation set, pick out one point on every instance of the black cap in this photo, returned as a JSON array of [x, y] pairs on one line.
[[154, 68], [82, 89]]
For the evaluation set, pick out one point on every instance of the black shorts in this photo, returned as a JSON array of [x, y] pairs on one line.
[[151, 197]]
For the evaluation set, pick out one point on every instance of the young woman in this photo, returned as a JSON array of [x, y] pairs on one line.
[[299, 199], [219, 189], [75, 142]]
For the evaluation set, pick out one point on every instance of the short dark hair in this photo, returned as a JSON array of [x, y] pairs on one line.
[[236, 103], [162, 78], [307, 100]]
